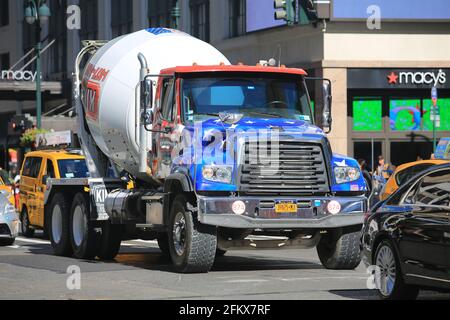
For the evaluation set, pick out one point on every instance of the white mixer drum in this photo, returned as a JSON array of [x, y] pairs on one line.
[[110, 86]]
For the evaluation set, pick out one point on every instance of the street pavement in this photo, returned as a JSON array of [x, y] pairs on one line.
[[28, 270]]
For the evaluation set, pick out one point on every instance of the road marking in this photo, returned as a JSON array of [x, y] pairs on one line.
[[145, 241], [247, 280], [32, 240], [14, 247], [319, 278], [127, 244]]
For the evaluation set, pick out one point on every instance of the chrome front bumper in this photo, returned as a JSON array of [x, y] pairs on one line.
[[260, 212]]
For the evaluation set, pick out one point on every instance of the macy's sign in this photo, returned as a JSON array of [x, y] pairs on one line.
[[18, 75], [418, 78]]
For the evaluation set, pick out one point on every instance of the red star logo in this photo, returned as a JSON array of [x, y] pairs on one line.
[[392, 78]]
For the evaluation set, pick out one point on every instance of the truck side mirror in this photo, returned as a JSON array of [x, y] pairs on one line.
[[327, 119], [44, 179], [147, 92], [147, 100]]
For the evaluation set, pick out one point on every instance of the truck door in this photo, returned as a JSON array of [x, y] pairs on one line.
[[29, 186], [165, 142], [47, 172]]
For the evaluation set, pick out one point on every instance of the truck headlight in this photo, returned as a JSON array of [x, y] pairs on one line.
[[346, 174], [217, 173]]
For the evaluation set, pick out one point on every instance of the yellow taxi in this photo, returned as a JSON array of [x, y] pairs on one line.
[[405, 172], [6, 186], [37, 168]]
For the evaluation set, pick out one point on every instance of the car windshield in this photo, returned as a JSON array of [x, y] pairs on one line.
[[251, 95], [73, 168], [4, 178]]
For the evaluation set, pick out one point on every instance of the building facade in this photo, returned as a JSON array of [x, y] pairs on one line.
[[381, 74]]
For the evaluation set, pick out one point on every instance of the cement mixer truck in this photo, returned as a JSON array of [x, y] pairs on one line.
[[221, 157]]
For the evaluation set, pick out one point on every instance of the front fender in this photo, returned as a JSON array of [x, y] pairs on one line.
[[183, 179]]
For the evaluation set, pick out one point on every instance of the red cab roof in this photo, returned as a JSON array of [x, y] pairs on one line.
[[234, 68]]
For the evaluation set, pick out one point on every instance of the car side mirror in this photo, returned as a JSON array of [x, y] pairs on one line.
[[45, 179], [327, 119]]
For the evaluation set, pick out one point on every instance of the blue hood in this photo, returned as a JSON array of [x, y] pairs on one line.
[[249, 124], [297, 129]]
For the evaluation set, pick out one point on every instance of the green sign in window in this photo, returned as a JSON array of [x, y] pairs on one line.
[[405, 115], [367, 115], [444, 111]]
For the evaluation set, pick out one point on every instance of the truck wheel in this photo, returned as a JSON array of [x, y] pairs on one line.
[[25, 226], [163, 243], [220, 252], [192, 245], [339, 249], [59, 226], [110, 241], [7, 242], [391, 284], [46, 230], [83, 236]]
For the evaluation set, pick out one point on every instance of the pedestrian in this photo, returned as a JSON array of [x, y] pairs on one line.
[[383, 169], [366, 174]]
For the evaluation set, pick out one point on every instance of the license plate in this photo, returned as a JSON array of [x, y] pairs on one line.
[[286, 207]]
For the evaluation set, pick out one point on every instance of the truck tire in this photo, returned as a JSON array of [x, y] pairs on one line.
[[83, 236], [110, 241], [220, 252], [339, 249], [59, 226], [25, 226], [7, 242], [46, 230], [192, 245], [392, 285], [163, 244]]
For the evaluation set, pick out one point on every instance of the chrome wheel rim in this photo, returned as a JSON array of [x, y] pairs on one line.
[[179, 234], [388, 272], [56, 224], [78, 226]]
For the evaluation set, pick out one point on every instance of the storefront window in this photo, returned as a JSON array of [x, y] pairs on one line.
[[444, 111], [367, 115], [405, 115]]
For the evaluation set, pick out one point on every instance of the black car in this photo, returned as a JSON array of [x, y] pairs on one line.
[[406, 238]]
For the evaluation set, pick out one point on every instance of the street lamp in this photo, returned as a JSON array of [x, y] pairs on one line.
[[37, 13], [176, 13]]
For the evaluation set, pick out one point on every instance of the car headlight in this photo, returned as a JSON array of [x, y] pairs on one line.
[[217, 173], [346, 174], [9, 208]]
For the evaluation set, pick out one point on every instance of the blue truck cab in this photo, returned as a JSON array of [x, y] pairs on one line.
[[244, 165]]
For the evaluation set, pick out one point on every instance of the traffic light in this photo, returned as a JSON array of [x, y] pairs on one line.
[[19, 124], [288, 10]]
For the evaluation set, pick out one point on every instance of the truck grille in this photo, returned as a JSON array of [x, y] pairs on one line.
[[289, 167]]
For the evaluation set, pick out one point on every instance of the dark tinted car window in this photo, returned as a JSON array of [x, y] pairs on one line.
[[404, 175], [32, 167], [71, 168], [36, 167], [434, 189], [27, 167], [50, 169]]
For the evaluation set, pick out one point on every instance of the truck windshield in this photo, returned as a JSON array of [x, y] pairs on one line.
[[250, 95], [73, 168]]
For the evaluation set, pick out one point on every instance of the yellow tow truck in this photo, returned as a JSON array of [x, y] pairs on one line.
[[37, 168]]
